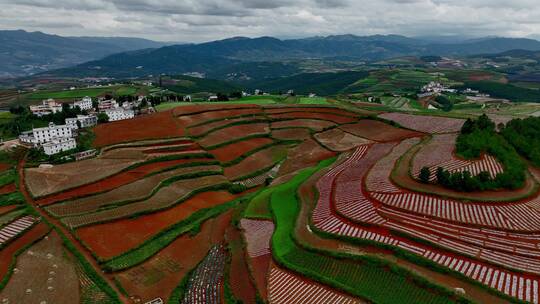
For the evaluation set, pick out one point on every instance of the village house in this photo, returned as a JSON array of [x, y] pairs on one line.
[[84, 121], [49, 106]]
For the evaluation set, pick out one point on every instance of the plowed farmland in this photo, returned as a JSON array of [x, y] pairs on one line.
[[215, 203]]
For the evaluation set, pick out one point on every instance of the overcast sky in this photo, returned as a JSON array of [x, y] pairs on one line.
[[204, 20]]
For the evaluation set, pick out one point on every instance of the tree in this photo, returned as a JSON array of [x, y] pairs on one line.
[[102, 117], [425, 175]]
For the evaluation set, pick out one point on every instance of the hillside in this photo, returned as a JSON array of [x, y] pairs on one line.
[[24, 53], [221, 58]]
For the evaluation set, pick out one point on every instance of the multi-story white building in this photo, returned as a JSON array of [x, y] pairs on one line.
[[47, 107], [84, 104], [85, 121], [40, 136], [107, 104], [58, 145], [119, 114]]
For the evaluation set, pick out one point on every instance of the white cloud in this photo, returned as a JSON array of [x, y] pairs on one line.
[[203, 20]]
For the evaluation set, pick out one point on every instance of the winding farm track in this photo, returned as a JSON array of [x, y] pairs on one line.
[[54, 222]]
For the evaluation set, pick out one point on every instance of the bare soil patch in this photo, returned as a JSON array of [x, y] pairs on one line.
[[160, 275], [157, 125], [46, 272], [340, 141], [233, 133], [114, 238], [339, 119], [233, 151], [378, 131], [260, 160], [307, 154], [195, 119], [198, 108], [312, 124], [291, 134]]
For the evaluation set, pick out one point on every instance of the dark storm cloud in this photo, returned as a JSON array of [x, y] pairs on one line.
[[202, 20]]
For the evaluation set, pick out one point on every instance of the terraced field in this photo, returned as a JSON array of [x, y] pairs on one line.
[[222, 203]]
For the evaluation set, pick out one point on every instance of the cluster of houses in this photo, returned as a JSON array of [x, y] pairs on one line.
[[59, 138], [434, 88]]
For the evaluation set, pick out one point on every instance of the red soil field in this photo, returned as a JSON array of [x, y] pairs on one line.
[[239, 277], [191, 109], [207, 127], [277, 110], [8, 188], [314, 115], [233, 151], [307, 154], [158, 125], [111, 239], [291, 134], [314, 124], [6, 209], [257, 161], [4, 167], [114, 181], [158, 276], [6, 254], [190, 120], [232, 133], [378, 131]]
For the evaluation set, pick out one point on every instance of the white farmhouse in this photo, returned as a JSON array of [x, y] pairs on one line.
[[119, 114], [84, 104], [59, 145], [84, 120], [49, 106], [107, 104], [40, 136]]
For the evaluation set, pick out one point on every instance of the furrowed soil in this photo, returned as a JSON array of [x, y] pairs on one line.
[[137, 190], [339, 119], [233, 133], [161, 274], [115, 181], [6, 209], [193, 109], [233, 151], [158, 125], [207, 127], [307, 154], [291, 134], [378, 131], [340, 141], [257, 161], [239, 277], [111, 239], [9, 188], [46, 272], [312, 124], [164, 198], [190, 120]]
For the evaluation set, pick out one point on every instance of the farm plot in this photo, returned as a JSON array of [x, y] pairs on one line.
[[43, 275], [119, 179], [165, 197], [158, 125], [209, 116], [233, 151], [10, 216], [484, 244], [112, 239], [311, 124], [161, 274], [205, 128], [7, 209], [259, 179], [378, 131], [208, 107], [234, 133], [340, 141], [46, 181], [286, 287], [15, 228], [7, 253], [206, 282], [9, 188], [291, 134], [138, 190], [286, 109], [439, 153], [304, 155], [257, 235], [425, 124], [338, 119], [259, 161], [239, 277]]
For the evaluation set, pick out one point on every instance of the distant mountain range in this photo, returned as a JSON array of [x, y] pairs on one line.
[[23, 53], [250, 59]]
